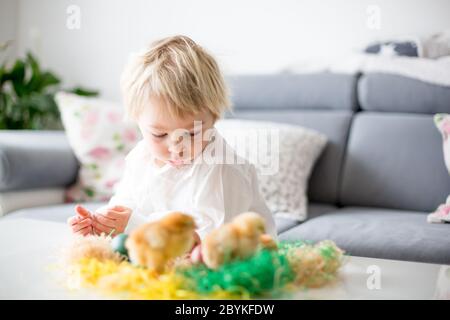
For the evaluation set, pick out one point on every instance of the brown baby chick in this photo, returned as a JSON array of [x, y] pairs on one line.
[[154, 244], [238, 239]]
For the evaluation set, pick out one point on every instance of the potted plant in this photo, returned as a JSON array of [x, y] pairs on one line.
[[27, 95]]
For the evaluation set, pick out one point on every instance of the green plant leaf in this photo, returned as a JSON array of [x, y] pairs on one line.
[[32, 62], [84, 92], [33, 83], [48, 79], [2, 75], [27, 96], [17, 76], [18, 70], [3, 118]]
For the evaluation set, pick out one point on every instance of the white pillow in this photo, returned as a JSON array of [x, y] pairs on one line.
[[291, 153], [100, 140]]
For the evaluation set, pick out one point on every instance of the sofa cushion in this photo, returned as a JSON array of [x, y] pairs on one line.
[[61, 212], [323, 90], [394, 161], [35, 159], [14, 200], [314, 210], [379, 233], [395, 93], [323, 182], [54, 213]]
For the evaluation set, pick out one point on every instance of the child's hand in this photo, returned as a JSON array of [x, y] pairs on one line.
[[196, 255], [198, 241], [196, 252], [81, 223], [111, 221]]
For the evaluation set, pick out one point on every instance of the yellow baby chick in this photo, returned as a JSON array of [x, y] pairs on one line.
[[238, 239], [155, 244]]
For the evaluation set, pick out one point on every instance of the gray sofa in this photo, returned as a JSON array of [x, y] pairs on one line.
[[380, 174]]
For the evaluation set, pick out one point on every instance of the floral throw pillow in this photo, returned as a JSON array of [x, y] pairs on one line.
[[442, 213], [100, 140]]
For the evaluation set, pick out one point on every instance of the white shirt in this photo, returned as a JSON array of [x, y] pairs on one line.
[[213, 193]]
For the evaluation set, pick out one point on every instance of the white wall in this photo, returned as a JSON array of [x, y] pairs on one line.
[[8, 27], [246, 36]]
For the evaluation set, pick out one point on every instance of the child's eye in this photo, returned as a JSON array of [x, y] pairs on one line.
[[159, 135]]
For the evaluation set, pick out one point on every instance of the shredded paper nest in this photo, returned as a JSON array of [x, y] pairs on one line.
[[267, 274]]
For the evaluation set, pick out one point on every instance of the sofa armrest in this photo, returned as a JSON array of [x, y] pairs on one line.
[[35, 159]]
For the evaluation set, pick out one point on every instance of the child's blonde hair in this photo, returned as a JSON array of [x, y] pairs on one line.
[[179, 71]]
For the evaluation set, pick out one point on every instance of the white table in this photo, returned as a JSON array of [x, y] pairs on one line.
[[28, 249]]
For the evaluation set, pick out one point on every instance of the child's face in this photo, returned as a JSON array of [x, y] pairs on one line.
[[172, 140]]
